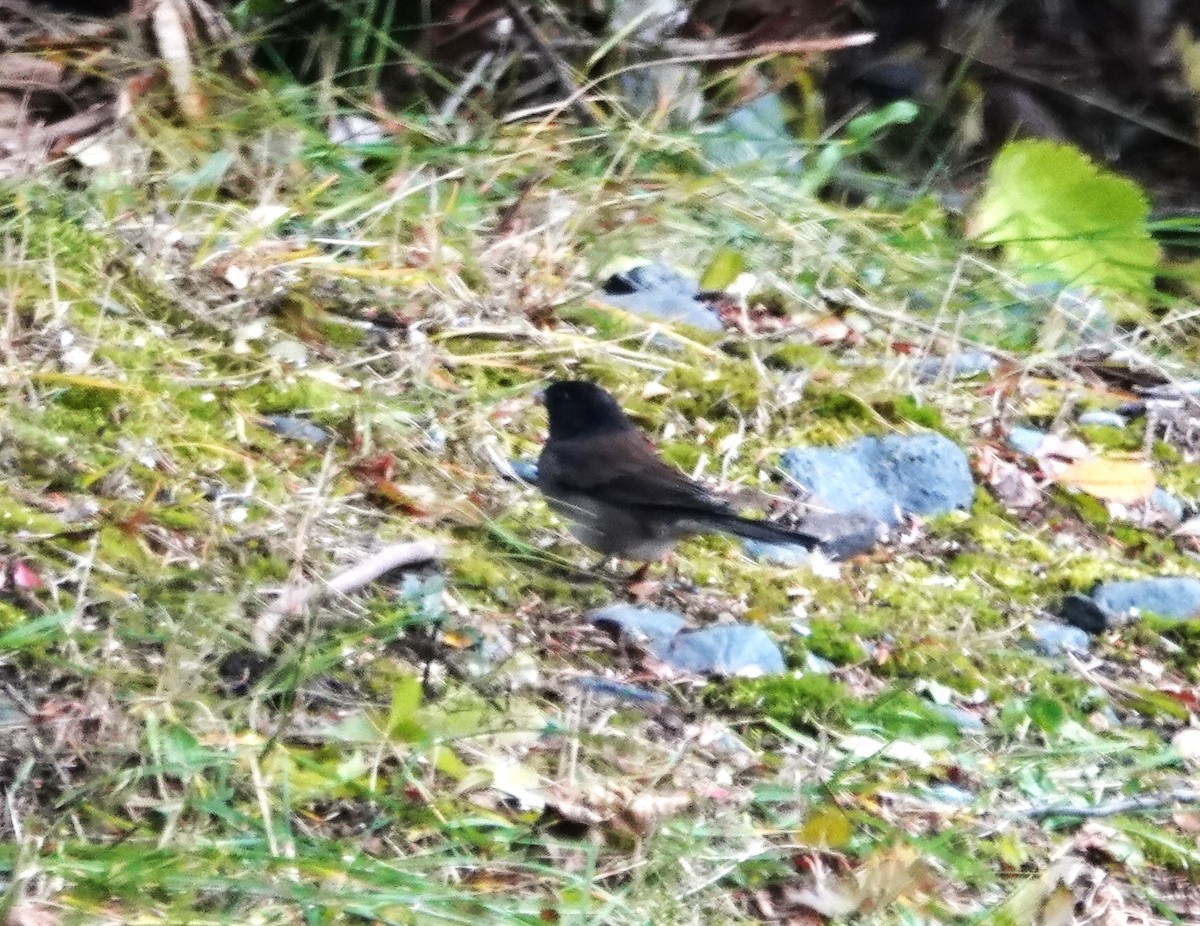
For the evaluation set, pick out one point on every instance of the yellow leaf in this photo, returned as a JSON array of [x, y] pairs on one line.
[[1111, 480], [827, 827]]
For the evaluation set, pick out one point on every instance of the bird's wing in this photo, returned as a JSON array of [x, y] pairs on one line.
[[621, 469]]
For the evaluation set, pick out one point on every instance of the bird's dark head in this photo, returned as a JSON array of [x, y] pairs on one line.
[[578, 409]]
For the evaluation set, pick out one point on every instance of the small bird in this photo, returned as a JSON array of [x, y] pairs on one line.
[[600, 472]]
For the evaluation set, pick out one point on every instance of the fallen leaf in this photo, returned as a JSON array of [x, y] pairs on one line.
[[1110, 480], [647, 811], [31, 913], [1059, 908], [1013, 486], [826, 827], [24, 576]]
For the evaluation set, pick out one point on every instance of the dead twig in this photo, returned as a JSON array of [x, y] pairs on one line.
[[1111, 809], [294, 600]]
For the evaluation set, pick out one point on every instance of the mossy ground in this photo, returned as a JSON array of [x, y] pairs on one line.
[[421, 752]]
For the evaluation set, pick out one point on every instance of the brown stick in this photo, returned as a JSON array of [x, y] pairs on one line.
[[296, 599]]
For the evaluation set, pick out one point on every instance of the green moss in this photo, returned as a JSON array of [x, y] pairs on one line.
[[907, 408], [713, 391], [840, 405], [1184, 634], [300, 393], [833, 640], [797, 356], [1088, 508], [932, 660], [16, 517], [802, 703], [897, 713], [11, 615], [1109, 438], [683, 454], [477, 570]]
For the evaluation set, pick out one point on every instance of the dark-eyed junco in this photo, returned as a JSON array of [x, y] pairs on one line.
[[599, 471]]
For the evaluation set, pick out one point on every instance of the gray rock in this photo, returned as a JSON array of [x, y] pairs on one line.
[[630, 621], [951, 794], [525, 470], [886, 478], [660, 292], [729, 649], [1166, 596], [962, 365], [1051, 638], [962, 719], [297, 429], [1025, 440], [778, 554], [620, 691], [1168, 503], [1105, 418], [842, 535]]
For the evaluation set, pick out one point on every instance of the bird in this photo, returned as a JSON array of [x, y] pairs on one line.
[[601, 473]]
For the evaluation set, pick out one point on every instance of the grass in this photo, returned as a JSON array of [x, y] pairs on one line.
[[428, 750]]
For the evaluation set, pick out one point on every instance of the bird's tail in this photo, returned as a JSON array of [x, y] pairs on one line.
[[764, 531]]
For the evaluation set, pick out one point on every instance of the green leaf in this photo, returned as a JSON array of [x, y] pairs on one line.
[[1047, 714], [34, 632], [862, 129], [1060, 217], [402, 722], [723, 269], [208, 175]]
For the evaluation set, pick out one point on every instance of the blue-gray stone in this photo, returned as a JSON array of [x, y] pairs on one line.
[[886, 478], [841, 535], [629, 620], [951, 794], [778, 554], [731, 649], [1101, 417], [962, 719], [1166, 596], [297, 429], [1167, 502], [728, 649], [525, 470], [1025, 440], [660, 292], [1051, 638], [619, 690], [962, 365]]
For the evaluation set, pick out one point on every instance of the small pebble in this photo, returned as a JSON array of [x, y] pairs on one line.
[[1103, 418], [1168, 503], [1187, 744], [290, 427], [1025, 440], [1051, 638]]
